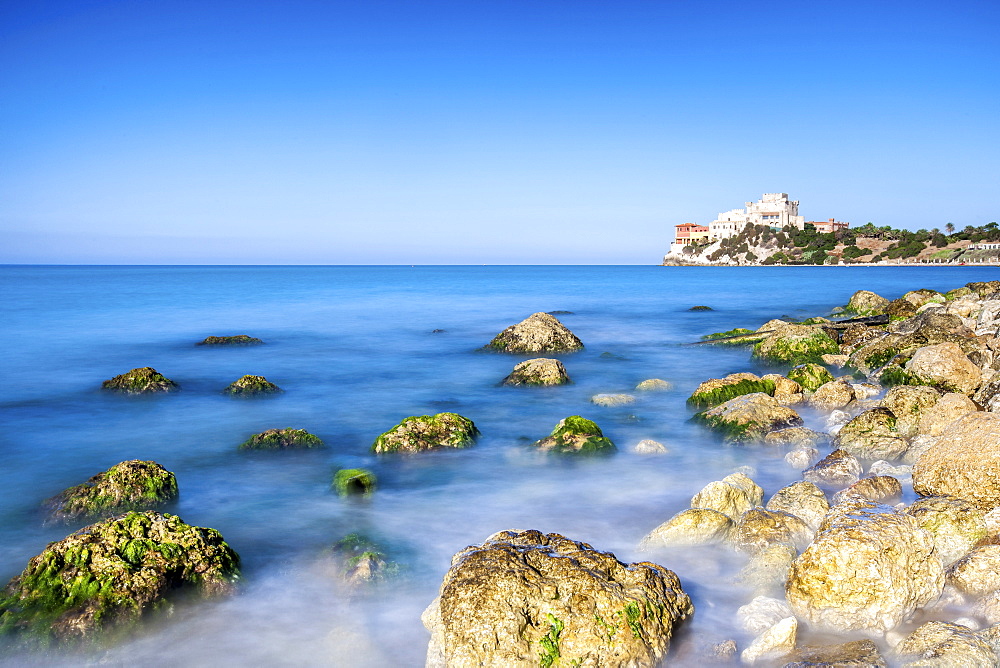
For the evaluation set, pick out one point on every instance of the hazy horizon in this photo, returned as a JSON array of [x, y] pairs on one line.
[[500, 133]]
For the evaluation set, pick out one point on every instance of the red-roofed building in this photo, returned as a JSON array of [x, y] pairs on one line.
[[829, 226], [688, 233]]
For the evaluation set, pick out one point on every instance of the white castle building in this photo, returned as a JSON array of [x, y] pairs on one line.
[[772, 209]]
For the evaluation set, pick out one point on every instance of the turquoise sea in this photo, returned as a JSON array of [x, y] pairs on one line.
[[355, 349]]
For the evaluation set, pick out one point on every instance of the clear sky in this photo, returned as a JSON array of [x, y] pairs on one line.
[[482, 131]]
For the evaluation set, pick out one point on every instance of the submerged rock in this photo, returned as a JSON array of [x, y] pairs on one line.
[[650, 447], [251, 386], [530, 599], [654, 385], [361, 560], [576, 434], [749, 417], [868, 569], [701, 308], [695, 526], [131, 485], [541, 371], [110, 575], [237, 340], [145, 380], [428, 432], [539, 332], [612, 399], [963, 462], [946, 645], [349, 482], [288, 438]]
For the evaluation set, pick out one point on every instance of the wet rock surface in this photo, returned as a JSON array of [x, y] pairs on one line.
[[539, 371], [538, 333], [872, 435], [963, 462], [131, 485], [144, 380], [251, 386], [695, 526], [288, 438], [529, 599], [946, 645], [237, 340], [576, 435], [946, 366], [837, 470], [955, 525], [419, 433], [749, 417], [855, 654]]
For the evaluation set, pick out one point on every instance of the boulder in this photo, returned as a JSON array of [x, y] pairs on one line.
[[958, 293], [348, 482], [576, 434], [145, 380], [872, 435], [762, 613], [540, 371], [804, 500], [908, 404], [797, 436], [833, 395], [732, 500], [650, 447], [108, 576], [956, 525], [988, 396], [428, 432], [837, 470], [988, 608], [774, 643], [900, 308], [877, 488], [984, 288], [855, 654], [131, 485], [288, 438], [786, 391], [802, 457], [715, 391], [868, 569], [978, 572], [654, 385], [237, 340], [944, 645], [988, 322], [538, 333], [882, 468], [834, 360], [944, 365], [963, 462], [767, 569], [531, 599], [749, 417], [758, 528], [612, 399], [866, 303], [795, 344], [921, 297], [696, 526], [251, 386], [810, 375]]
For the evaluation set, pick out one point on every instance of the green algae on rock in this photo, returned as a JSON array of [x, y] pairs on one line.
[[251, 386], [810, 375], [354, 481], [144, 380], [739, 336], [237, 340], [539, 332], [282, 439], [701, 308], [795, 344], [131, 485], [576, 434], [748, 417], [428, 432], [715, 391], [362, 560], [107, 577], [540, 371]]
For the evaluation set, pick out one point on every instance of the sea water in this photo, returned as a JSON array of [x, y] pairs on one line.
[[357, 349]]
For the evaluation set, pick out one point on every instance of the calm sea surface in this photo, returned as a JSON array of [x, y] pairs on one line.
[[356, 351]]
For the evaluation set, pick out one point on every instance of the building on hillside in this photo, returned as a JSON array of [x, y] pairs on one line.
[[989, 245], [772, 209], [690, 233], [828, 226]]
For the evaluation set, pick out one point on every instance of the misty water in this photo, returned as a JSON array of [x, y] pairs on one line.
[[356, 351]]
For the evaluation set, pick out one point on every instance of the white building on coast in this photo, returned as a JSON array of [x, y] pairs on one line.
[[772, 209]]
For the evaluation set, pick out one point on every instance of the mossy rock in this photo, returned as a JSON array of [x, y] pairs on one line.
[[893, 375], [578, 435], [900, 309], [237, 340], [349, 482], [99, 582], [748, 418], [145, 380], [952, 295], [984, 288], [744, 337], [795, 344], [810, 375], [282, 439], [866, 303], [720, 390], [251, 386], [428, 432], [362, 560], [131, 485], [541, 371], [701, 308]]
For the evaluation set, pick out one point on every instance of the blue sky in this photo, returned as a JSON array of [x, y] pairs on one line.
[[479, 132]]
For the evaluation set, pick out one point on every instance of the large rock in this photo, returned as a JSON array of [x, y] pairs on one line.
[[963, 462], [576, 434], [855, 654], [715, 391], [774, 643], [869, 568], [695, 526], [978, 572], [428, 432], [251, 386], [955, 525], [797, 436], [804, 500], [837, 470], [795, 344], [530, 599], [865, 303], [906, 337], [131, 485], [878, 488], [109, 575], [810, 375], [288, 438], [945, 366], [729, 497], [833, 395], [759, 528], [540, 371], [921, 297], [909, 403], [749, 417], [988, 322], [145, 380], [538, 333], [872, 435], [944, 645]]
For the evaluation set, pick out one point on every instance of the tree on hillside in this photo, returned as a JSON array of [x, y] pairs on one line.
[[949, 228]]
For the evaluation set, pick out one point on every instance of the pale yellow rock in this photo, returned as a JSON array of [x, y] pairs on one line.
[[696, 526], [879, 488], [964, 462], [945, 365], [978, 572], [837, 470], [730, 500], [909, 403], [767, 570], [654, 385], [744, 482], [834, 360], [804, 500], [612, 399], [798, 436], [758, 527], [776, 642], [955, 525], [833, 395], [762, 613], [949, 408], [944, 645], [869, 568], [786, 391], [650, 447]]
